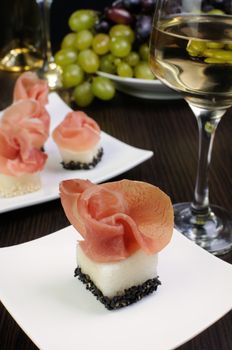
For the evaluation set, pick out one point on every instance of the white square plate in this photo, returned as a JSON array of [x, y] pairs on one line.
[[57, 312], [118, 157]]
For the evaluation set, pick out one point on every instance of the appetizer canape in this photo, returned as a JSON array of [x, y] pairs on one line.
[[31, 116], [124, 225], [29, 86], [78, 138], [20, 163]]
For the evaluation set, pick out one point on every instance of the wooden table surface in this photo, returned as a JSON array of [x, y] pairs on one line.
[[169, 129]]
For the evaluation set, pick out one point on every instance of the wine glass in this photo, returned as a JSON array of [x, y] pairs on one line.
[[19, 36], [49, 70], [191, 52]]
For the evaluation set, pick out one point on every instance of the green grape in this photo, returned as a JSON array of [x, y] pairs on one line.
[[103, 88], [89, 61], [72, 75], [120, 47], [216, 12], [132, 59], [212, 60], [144, 52], [68, 41], [117, 61], [110, 57], [143, 71], [214, 45], [83, 95], [124, 70], [83, 40], [65, 57], [122, 30], [82, 19], [101, 44], [107, 64], [196, 48], [224, 55]]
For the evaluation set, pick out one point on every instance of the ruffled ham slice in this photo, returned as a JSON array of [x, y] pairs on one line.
[[77, 132], [30, 116], [118, 218], [28, 85], [17, 155]]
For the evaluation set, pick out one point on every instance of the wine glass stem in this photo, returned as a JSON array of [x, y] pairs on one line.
[[44, 6], [207, 123]]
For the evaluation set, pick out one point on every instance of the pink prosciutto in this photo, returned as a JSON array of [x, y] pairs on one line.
[[17, 155], [118, 218], [77, 132], [31, 116], [28, 85]]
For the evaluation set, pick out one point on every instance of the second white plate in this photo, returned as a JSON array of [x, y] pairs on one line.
[[118, 157]]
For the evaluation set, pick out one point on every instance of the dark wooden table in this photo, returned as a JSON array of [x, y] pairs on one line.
[[169, 129]]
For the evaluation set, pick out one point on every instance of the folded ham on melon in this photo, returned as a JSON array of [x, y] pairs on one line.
[[20, 163], [78, 138], [29, 86], [124, 225], [31, 116]]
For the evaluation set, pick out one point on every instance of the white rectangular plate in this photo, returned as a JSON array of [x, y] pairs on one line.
[[118, 157], [57, 312]]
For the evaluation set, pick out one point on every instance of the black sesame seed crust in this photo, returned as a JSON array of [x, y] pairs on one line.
[[130, 296], [84, 166]]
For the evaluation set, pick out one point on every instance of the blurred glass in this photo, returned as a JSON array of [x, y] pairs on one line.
[[49, 70], [20, 38]]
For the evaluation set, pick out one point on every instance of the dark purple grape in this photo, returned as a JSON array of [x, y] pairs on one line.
[[134, 6], [207, 8], [118, 4], [173, 7], [118, 15], [218, 4], [143, 27], [103, 26], [148, 6], [208, 5]]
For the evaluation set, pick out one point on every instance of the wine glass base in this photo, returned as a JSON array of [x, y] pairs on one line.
[[211, 231], [21, 59], [52, 73]]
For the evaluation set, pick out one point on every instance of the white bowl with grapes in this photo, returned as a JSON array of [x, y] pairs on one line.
[[108, 51]]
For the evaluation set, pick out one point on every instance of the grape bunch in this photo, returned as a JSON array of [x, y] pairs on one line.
[[136, 13], [115, 42]]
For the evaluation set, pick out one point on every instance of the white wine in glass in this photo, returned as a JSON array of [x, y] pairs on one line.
[[191, 52], [19, 36]]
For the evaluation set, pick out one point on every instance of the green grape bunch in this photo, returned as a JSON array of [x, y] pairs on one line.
[[87, 49]]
